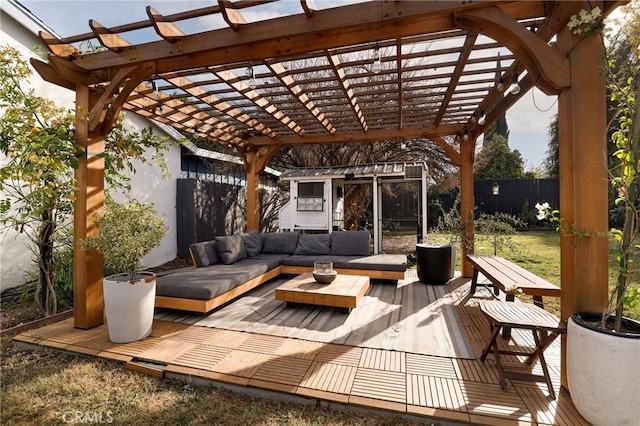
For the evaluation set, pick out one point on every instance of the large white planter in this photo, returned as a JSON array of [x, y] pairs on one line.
[[603, 371], [129, 305]]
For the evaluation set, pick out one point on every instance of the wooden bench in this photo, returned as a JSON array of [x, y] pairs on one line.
[[507, 276]]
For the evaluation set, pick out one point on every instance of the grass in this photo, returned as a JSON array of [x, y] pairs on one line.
[[47, 387]]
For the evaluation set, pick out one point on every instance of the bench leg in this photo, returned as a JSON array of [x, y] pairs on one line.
[[506, 331], [537, 300], [492, 341], [474, 282], [492, 344], [543, 363]]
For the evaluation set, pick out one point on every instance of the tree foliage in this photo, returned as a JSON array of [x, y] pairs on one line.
[[551, 164], [37, 137], [622, 69], [497, 161], [126, 233], [500, 127]]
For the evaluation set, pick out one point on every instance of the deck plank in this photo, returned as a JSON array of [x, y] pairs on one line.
[[330, 377], [377, 384], [202, 356]]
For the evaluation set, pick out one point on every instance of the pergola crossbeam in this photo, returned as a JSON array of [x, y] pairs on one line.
[[455, 76], [297, 91], [107, 37], [164, 28], [57, 46], [334, 61], [255, 97], [232, 17], [221, 105]]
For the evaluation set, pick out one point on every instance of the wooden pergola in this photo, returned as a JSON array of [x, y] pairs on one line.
[[379, 70]]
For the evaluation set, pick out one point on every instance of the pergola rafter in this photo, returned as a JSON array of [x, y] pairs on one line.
[[317, 85]]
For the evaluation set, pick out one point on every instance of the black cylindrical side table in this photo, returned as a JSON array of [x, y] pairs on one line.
[[435, 263]]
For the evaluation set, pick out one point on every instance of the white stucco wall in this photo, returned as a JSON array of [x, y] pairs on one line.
[[19, 30]]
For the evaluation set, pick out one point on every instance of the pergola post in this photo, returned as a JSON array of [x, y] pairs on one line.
[[88, 298], [253, 190], [467, 202], [583, 181]]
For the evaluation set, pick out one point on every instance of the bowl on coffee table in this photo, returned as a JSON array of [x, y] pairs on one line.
[[323, 272]]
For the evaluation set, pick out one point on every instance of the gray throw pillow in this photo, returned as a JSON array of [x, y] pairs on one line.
[[310, 244], [279, 242], [204, 253], [230, 248], [252, 242], [350, 243]]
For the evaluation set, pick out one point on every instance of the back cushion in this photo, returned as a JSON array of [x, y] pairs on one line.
[[314, 244], [252, 242], [350, 243], [204, 253], [279, 242], [230, 248]]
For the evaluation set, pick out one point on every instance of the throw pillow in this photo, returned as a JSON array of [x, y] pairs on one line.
[[350, 243], [252, 243], [204, 253], [279, 242], [230, 248], [314, 244]]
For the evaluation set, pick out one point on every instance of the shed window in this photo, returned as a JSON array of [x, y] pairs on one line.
[[310, 196]]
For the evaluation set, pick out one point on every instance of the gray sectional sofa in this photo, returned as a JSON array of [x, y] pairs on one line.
[[229, 266]]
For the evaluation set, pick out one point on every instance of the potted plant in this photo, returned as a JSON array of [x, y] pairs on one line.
[[125, 234], [603, 348], [436, 259]]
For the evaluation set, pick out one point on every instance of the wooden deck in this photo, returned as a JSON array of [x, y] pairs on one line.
[[444, 387]]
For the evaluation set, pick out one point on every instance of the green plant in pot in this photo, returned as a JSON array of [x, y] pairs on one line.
[[125, 234], [436, 259], [603, 348]]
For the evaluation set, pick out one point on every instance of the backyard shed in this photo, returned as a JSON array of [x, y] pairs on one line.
[[317, 195]]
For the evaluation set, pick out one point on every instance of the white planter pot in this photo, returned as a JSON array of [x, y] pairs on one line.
[[603, 371], [129, 305]]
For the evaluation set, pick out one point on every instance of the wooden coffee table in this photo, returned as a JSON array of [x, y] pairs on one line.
[[344, 292]]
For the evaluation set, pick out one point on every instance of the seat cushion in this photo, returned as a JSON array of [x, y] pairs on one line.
[[310, 244], [230, 248], [211, 281], [279, 242], [252, 242], [308, 260], [204, 253], [350, 243], [379, 262]]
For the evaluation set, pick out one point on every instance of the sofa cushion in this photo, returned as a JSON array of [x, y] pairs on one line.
[[252, 243], [307, 261], [309, 244], [279, 242], [211, 281], [204, 253], [379, 262], [230, 248], [350, 243]]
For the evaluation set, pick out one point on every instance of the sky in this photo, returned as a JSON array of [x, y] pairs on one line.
[[528, 119]]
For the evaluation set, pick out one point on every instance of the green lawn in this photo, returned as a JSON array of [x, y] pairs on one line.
[[539, 252]]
